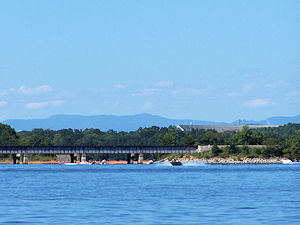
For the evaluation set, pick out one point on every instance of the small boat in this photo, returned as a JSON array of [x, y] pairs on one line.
[[286, 161], [151, 161], [176, 162], [103, 162], [84, 163], [70, 164]]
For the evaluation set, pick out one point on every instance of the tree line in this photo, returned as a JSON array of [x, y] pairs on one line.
[[282, 141]]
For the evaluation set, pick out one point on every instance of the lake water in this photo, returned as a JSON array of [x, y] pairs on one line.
[[150, 194]]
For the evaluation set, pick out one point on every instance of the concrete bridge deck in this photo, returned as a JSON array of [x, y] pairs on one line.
[[96, 150], [20, 153]]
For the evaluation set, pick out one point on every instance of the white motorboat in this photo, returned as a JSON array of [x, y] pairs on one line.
[[85, 163], [150, 161], [103, 162], [286, 161]]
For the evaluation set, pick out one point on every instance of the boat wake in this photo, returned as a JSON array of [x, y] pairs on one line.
[[162, 163], [187, 163], [194, 163]]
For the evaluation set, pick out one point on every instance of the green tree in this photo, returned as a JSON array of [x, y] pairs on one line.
[[215, 150], [209, 138], [257, 138], [89, 140], [8, 136], [293, 147], [35, 140], [169, 138], [58, 140], [188, 140]]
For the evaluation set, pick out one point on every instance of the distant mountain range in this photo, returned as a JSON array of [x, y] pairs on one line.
[[125, 123]]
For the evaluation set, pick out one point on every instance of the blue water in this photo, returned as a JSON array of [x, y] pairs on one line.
[[150, 194]]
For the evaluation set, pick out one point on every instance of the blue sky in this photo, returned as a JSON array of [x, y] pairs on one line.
[[205, 60]]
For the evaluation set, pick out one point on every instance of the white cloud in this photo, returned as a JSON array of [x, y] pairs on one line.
[[121, 86], [26, 91], [147, 106], [255, 74], [292, 96], [40, 105], [32, 91], [147, 92], [5, 92], [293, 93], [36, 105], [258, 103], [164, 84], [191, 91], [233, 94], [277, 84], [2, 103], [57, 102], [247, 88]]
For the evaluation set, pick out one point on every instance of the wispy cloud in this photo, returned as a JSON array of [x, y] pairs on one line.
[[277, 84], [254, 74], [121, 86], [40, 105], [32, 97], [147, 106], [57, 102], [292, 96], [255, 103], [164, 84], [32, 91], [247, 88], [36, 105], [147, 92], [190, 91], [233, 94], [2, 103]]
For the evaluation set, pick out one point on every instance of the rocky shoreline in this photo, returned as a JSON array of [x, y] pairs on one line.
[[244, 161], [236, 160]]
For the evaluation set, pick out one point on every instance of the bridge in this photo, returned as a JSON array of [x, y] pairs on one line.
[[20, 153]]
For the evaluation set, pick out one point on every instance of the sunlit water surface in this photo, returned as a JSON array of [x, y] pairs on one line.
[[150, 194]]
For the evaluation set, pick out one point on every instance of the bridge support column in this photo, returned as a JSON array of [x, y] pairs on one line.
[[141, 158], [72, 158], [130, 158], [14, 156], [18, 158], [25, 159], [83, 158]]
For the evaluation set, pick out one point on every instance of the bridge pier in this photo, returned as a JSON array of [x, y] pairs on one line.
[[141, 158], [72, 158], [130, 158], [18, 158], [14, 156], [83, 158], [25, 159]]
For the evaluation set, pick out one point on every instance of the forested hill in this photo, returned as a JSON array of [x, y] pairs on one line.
[[124, 123]]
